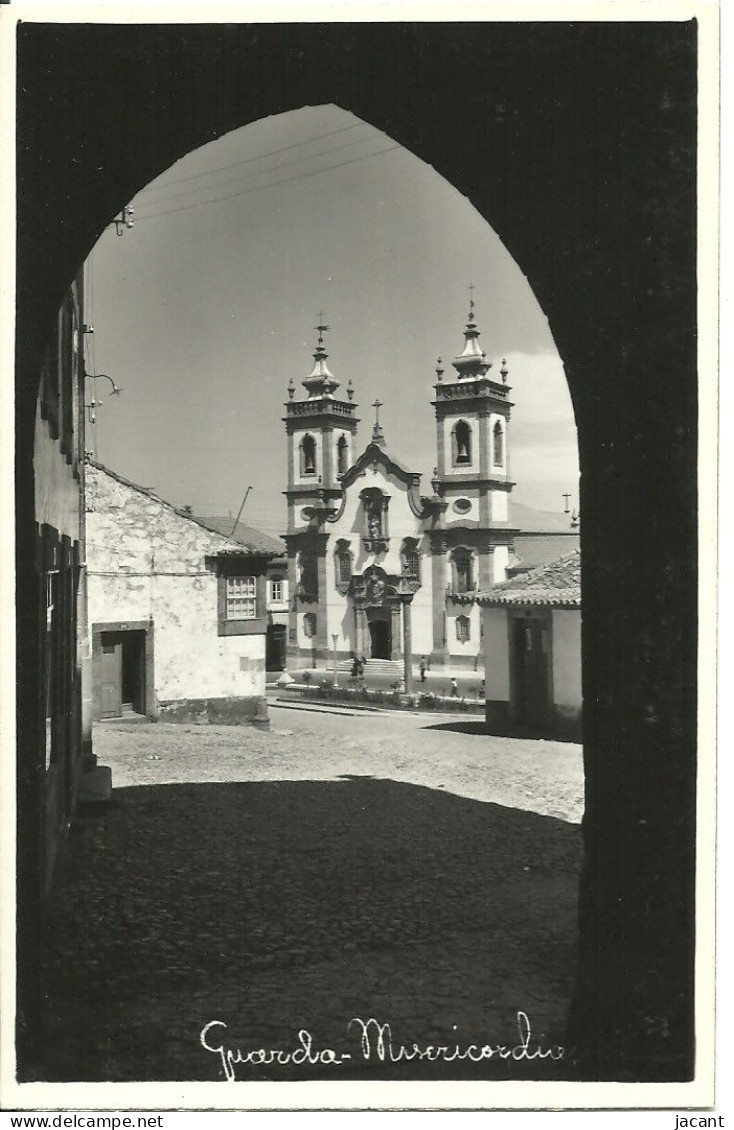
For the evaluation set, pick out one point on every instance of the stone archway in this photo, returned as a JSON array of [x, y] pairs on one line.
[[556, 146]]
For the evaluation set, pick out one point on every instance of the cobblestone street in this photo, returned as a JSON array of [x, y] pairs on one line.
[[404, 867]]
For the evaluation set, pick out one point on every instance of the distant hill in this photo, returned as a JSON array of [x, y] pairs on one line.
[[539, 521]]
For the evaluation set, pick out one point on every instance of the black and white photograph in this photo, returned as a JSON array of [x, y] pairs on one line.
[[364, 419]]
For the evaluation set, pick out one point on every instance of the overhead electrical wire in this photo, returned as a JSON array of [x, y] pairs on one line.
[[249, 160], [263, 172], [262, 187]]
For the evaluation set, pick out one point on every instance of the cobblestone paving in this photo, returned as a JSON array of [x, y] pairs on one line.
[[333, 868]]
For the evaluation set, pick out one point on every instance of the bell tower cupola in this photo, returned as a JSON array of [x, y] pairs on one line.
[[320, 432], [472, 362]]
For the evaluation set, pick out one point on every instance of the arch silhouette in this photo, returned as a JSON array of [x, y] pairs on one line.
[[568, 127]]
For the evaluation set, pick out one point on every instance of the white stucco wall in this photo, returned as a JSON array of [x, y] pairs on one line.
[[464, 650], [567, 657], [500, 561], [496, 655], [145, 562], [452, 516], [499, 505]]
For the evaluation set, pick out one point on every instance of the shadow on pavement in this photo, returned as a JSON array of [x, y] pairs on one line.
[[460, 727], [280, 906]]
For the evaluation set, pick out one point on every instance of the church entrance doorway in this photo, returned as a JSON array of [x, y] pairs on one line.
[[380, 638]]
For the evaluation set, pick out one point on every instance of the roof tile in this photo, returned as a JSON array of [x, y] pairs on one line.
[[557, 583]]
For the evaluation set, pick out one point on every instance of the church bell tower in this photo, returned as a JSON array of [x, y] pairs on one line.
[[472, 434], [470, 545], [320, 434], [320, 430]]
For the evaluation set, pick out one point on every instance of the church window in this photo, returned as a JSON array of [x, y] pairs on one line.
[[241, 598], [463, 571], [462, 443], [309, 625], [343, 564], [309, 576], [342, 456], [411, 560], [499, 445], [463, 629], [276, 591], [308, 455]]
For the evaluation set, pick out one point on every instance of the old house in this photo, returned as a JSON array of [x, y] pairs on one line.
[[177, 611], [532, 637], [277, 582]]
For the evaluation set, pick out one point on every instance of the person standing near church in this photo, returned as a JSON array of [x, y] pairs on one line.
[[422, 670]]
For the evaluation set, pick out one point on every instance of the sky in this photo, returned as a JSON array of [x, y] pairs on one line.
[[206, 308]]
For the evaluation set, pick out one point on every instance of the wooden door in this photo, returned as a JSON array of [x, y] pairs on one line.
[[110, 662], [531, 659]]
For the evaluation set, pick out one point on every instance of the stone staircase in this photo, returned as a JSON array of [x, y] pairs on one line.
[[392, 667]]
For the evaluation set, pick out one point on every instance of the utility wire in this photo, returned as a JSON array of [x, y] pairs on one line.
[[260, 188], [261, 173], [249, 160]]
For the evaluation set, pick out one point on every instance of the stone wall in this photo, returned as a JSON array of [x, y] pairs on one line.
[[149, 563]]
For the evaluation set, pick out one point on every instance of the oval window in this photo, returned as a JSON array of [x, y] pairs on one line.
[[305, 513], [462, 505]]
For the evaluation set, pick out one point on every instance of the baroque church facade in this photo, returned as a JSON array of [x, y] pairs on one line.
[[376, 567]]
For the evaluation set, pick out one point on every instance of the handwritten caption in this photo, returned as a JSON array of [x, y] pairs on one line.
[[376, 1044]]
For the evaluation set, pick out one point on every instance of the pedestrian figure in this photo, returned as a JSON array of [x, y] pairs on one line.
[[422, 670], [454, 689], [361, 666], [356, 668]]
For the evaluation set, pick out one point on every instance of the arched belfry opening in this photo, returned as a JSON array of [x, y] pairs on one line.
[[308, 455], [595, 267], [462, 442]]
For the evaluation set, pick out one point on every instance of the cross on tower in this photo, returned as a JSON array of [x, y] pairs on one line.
[[321, 327], [471, 298], [566, 498], [377, 406]]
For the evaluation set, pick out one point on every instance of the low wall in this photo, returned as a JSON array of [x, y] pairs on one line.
[[216, 711]]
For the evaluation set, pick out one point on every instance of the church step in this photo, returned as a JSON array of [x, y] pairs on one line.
[[376, 666]]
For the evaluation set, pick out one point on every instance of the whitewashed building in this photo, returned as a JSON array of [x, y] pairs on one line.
[[177, 611], [532, 637], [375, 566]]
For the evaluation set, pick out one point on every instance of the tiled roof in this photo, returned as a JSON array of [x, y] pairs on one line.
[[557, 584], [248, 536], [246, 540]]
